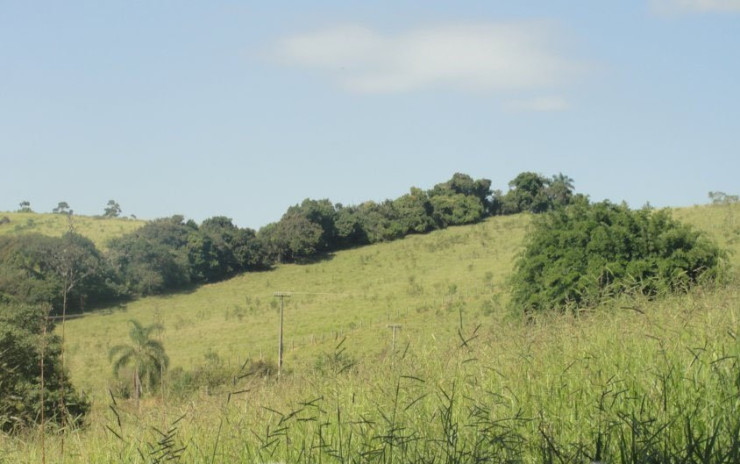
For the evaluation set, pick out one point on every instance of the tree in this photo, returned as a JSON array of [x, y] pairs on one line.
[[527, 192], [25, 207], [62, 208], [145, 355], [583, 254], [66, 271], [27, 349], [456, 209], [415, 212], [156, 257], [560, 190], [113, 209], [721, 198]]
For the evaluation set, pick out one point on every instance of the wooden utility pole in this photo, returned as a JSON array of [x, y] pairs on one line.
[[282, 296], [395, 327]]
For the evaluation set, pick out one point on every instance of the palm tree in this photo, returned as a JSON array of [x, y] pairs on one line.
[[145, 354]]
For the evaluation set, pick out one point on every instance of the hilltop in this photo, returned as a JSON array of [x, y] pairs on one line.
[[98, 229]]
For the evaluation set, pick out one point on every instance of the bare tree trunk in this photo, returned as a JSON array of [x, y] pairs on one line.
[[137, 387]]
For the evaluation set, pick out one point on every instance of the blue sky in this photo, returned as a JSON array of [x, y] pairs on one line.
[[245, 108]]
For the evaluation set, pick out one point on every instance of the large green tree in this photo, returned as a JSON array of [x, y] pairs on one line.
[[145, 355], [580, 255], [31, 373]]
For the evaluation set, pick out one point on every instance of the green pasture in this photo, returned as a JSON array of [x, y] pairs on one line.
[[422, 283], [98, 229]]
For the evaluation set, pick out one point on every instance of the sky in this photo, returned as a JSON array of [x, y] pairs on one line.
[[243, 108]]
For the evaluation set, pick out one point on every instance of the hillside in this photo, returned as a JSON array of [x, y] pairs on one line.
[[634, 380], [425, 283], [97, 229], [421, 282]]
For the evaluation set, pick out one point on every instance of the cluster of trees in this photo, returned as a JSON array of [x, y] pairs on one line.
[[172, 253], [586, 253], [317, 226], [70, 273], [112, 209]]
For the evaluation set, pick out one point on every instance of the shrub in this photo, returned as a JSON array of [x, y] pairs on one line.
[[23, 339], [580, 255]]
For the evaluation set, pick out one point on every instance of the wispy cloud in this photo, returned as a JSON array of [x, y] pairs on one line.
[[474, 57], [694, 6], [539, 104]]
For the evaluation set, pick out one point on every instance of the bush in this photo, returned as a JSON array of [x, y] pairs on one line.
[[21, 343], [583, 254]]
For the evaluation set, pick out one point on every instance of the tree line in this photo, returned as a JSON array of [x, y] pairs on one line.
[[173, 253]]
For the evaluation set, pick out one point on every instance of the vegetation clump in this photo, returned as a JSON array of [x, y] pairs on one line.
[[31, 372], [586, 253]]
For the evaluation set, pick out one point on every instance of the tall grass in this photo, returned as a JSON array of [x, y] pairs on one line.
[[636, 382]]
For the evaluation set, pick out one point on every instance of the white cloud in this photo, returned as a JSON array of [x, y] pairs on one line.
[[540, 104], [480, 57], [694, 6]]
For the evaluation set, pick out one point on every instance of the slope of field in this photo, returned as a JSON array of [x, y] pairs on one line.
[[636, 380], [425, 283], [422, 283], [97, 229]]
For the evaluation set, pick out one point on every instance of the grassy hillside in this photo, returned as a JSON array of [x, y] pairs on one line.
[[97, 229], [635, 381], [420, 282]]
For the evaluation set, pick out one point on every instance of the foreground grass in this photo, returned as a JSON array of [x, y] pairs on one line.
[[636, 381]]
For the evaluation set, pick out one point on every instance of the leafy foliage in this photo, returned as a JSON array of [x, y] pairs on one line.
[[22, 342], [36, 269], [580, 255], [112, 209]]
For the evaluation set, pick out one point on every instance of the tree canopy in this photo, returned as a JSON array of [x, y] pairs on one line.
[[578, 256], [25, 337]]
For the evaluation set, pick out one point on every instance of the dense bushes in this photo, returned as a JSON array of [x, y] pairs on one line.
[[170, 253], [36, 269], [23, 340], [580, 255]]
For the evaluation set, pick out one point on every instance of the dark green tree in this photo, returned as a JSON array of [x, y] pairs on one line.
[[456, 209], [527, 192], [68, 271], [321, 213], [293, 238], [145, 355], [465, 185], [350, 232], [415, 212], [112, 210], [62, 208], [583, 254], [156, 257], [25, 339], [560, 190], [380, 222], [25, 207]]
